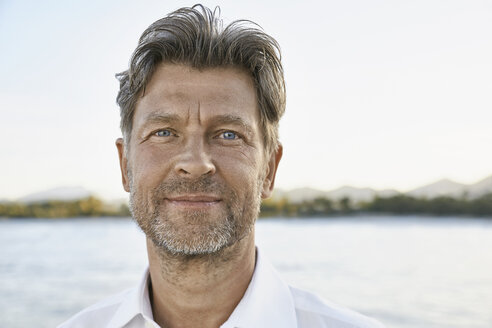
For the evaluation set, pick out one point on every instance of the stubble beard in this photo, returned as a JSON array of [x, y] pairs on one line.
[[195, 233]]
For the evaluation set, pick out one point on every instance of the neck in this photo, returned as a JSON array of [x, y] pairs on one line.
[[199, 291]]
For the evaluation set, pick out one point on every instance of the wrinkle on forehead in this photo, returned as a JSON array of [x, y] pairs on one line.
[[178, 96], [199, 95], [197, 113], [184, 77]]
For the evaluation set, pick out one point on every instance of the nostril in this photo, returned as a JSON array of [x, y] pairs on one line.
[[194, 167], [183, 171]]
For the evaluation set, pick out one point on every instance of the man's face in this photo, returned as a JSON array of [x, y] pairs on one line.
[[196, 168]]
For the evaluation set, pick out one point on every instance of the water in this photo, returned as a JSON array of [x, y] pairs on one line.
[[406, 272]]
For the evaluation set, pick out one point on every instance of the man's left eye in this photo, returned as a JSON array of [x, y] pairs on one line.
[[163, 133], [229, 135]]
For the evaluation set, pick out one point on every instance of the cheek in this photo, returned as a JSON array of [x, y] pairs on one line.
[[241, 167], [150, 165], [237, 155]]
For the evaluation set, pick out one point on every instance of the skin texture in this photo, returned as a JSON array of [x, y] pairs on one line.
[[196, 169]]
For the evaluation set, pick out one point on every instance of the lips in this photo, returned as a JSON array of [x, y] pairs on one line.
[[193, 200]]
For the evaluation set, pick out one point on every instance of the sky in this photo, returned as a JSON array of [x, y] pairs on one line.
[[381, 94]]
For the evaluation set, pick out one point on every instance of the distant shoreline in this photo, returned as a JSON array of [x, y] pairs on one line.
[[398, 205]]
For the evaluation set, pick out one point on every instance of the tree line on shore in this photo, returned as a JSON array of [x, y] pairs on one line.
[[90, 206], [319, 207], [395, 205]]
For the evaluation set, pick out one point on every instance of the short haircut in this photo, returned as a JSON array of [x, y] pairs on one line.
[[196, 37]]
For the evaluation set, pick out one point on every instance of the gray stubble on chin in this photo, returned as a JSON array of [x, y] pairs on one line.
[[237, 221]]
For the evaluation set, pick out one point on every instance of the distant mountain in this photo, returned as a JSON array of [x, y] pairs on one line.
[[442, 187], [359, 194], [388, 193], [60, 193], [352, 193], [298, 195], [355, 194], [450, 188], [480, 188]]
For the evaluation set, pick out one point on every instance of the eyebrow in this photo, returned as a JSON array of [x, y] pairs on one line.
[[161, 118], [234, 120]]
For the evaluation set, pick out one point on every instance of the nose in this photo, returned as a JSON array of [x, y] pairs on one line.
[[194, 161]]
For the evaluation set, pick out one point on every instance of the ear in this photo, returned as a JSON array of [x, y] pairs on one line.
[[120, 145], [269, 181]]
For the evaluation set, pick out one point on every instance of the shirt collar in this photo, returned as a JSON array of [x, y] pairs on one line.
[[266, 303], [137, 302]]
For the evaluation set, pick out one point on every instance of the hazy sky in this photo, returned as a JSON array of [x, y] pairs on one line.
[[383, 94]]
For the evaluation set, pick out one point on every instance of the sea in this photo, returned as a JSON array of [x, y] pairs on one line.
[[419, 272]]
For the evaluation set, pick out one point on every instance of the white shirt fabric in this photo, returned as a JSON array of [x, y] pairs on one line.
[[267, 303]]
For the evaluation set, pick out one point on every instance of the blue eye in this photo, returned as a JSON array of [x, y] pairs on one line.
[[229, 135], [163, 133]]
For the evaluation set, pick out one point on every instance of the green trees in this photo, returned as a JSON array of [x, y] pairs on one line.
[[397, 205], [309, 208], [443, 205], [90, 206]]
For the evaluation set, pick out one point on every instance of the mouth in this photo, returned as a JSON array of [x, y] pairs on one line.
[[193, 200]]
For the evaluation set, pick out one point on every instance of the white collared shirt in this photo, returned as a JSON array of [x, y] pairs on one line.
[[268, 302]]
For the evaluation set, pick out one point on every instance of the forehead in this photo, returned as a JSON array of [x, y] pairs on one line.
[[183, 90]]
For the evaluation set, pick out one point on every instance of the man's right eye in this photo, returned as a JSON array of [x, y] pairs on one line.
[[163, 133]]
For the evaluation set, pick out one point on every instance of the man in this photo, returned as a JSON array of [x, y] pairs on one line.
[[200, 106]]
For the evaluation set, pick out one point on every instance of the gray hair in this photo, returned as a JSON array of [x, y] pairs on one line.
[[196, 37]]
